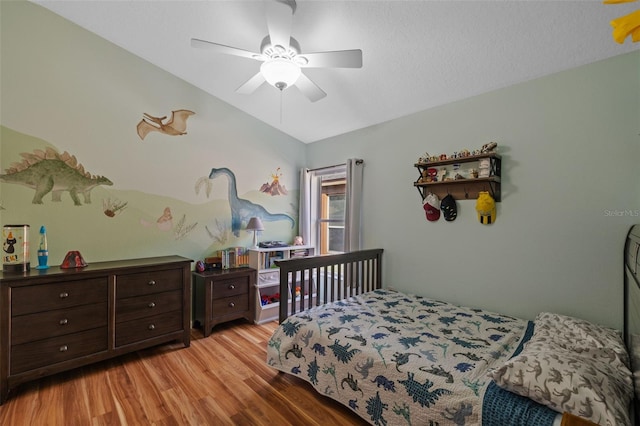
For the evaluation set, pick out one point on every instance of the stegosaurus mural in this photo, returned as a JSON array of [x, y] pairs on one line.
[[49, 171]]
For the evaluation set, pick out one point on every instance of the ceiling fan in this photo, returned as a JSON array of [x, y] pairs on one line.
[[281, 57]]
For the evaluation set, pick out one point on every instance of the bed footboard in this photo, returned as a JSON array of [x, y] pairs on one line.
[[317, 280]]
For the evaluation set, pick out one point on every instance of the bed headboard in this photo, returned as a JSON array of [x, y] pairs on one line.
[[632, 309]]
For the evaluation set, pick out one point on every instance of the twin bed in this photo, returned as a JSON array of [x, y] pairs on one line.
[[397, 359]]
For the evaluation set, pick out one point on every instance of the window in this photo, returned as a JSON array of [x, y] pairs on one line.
[[331, 218], [330, 207]]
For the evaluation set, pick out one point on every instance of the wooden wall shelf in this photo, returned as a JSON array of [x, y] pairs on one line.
[[462, 189]]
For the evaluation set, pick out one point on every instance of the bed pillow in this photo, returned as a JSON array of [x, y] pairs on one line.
[[569, 380], [580, 335]]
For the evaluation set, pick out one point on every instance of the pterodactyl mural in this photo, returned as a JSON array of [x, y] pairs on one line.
[[243, 210], [177, 124]]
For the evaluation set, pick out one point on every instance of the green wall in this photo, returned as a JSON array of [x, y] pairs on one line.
[[570, 144], [69, 90]]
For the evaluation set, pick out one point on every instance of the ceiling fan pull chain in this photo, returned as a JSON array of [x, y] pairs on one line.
[[281, 106]]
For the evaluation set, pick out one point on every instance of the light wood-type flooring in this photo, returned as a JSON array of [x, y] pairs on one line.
[[222, 379]]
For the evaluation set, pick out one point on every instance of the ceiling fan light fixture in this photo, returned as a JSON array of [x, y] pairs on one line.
[[280, 72]]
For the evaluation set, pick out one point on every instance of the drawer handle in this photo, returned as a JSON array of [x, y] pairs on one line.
[[232, 305], [64, 294], [151, 305], [64, 321], [151, 327], [64, 348], [152, 282], [231, 286]]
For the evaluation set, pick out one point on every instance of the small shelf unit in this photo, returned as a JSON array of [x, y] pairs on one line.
[[461, 189], [268, 282]]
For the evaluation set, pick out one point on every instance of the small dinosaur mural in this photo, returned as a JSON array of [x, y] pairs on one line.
[[165, 223], [243, 210], [176, 126], [49, 171]]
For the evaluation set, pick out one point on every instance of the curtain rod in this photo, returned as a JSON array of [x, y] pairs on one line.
[[358, 161]]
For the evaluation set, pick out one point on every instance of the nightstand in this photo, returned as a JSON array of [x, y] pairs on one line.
[[223, 295]]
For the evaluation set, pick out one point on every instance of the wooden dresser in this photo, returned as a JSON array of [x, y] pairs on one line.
[[57, 319], [223, 295]]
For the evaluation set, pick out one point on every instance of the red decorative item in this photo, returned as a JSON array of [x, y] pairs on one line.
[[73, 259]]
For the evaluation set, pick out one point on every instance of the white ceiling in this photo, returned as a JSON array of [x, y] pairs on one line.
[[416, 54]]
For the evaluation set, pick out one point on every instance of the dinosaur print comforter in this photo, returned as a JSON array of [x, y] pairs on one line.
[[398, 359]]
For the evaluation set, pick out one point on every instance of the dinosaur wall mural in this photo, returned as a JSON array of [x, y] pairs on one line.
[[243, 210], [51, 172], [176, 126]]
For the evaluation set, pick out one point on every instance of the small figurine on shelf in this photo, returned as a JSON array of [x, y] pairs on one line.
[[441, 174], [443, 156], [489, 147], [425, 158]]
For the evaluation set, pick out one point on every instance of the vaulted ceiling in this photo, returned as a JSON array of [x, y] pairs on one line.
[[416, 54]]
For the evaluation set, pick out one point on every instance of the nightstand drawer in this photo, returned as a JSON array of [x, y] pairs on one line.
[[43, 325], [130, 285], [230, 305], [231, 287], [51, 351], [147, 328], [46, 297], [148, 305]]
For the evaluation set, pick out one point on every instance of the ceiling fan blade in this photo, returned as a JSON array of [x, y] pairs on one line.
[[309, 88], [251, 85], [336, 59], [227, 50], [279, 22]]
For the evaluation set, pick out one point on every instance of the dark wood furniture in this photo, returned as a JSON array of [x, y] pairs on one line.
[[223, 295], [632, 311], [327, 278], [58, 319]]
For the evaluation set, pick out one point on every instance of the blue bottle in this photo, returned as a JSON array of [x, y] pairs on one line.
[[43, 251]]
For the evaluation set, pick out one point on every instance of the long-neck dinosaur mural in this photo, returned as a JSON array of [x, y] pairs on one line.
[[243, 210]]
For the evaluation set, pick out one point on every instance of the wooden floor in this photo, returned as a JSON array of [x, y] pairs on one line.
[[220, 380]]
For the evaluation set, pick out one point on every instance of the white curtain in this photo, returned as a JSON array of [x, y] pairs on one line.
[[310, 192], [310, 187], [353, 207]]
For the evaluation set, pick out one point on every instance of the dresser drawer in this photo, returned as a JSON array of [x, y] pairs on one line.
[[230, 305], [46, 297], [148, 305], [57, 349], [147, 328], [130, 285], [230, 287], [43, 325]]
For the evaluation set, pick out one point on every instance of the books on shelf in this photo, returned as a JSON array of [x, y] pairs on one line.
[[234, 257], [301, 252], [269, 259]]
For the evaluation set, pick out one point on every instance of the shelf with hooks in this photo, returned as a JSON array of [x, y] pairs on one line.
[[465, 185]]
